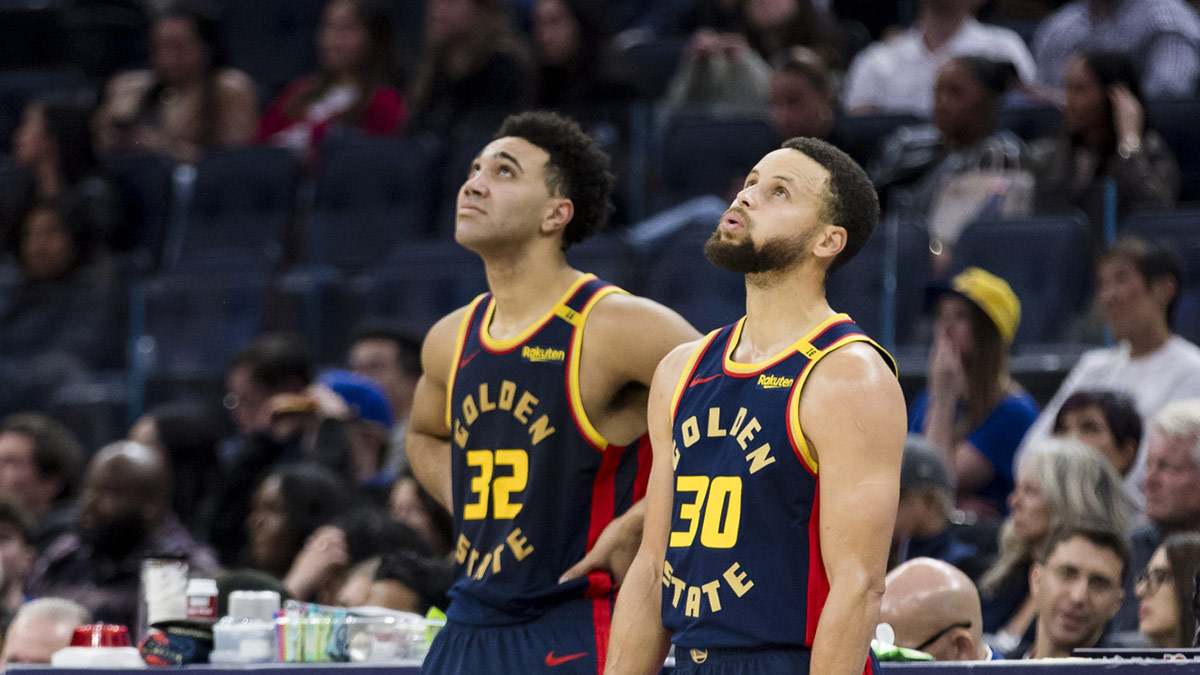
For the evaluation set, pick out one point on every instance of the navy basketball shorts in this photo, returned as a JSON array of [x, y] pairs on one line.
[[571, 639], [749, 661]]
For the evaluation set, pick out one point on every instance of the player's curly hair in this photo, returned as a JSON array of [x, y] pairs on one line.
[[577, 169], [852, 202]]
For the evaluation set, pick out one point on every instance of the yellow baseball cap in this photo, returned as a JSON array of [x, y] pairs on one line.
[[991, 294]]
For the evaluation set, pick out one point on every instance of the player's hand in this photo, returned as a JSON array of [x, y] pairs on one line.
[[614, 550], [324, 555]]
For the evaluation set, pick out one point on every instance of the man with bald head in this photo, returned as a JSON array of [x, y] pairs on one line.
[[41, 628], [124, 514], [934, 608]]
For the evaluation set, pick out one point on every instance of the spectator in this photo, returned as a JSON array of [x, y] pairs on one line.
[[474, 69], [189, 102], [802, 99], [898, 75], [934, 608], [1109, 422], [124, 514], [1076, 587], [1058, 481], [369, 423], [60, 319], [41, 628], [41, 463], [292, 504], [281, 417], [54, 146], [412, 505], [1164, 591], [1171, 486], [392, 358], [16, 556], [187, 436], [916, 161], [1137, 290], [772, 27], [1106, 139], [1161, 36], [409, 582], [973, 412], [925, 526], [352, 88]]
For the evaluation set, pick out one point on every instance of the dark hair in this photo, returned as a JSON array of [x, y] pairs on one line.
[[1120, 413], [190, 434], [439, 517], [1113, 68], [408, 347], [996, 76], [377, 68], [277, 361], [1099, 536], [1183, 555], [69, 122], [808, 28], [577, 168], [75, 208], [312, 496], [428, 577], [12, 513], [370, 533], [1154, 261], [56, 451], [808, 64], [986, 372], [852, 202], [205, 19]]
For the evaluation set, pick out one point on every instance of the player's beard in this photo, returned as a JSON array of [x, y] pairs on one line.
[[743, 257]]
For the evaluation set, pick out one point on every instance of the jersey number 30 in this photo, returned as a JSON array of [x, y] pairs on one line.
[[501, 487], [722, 512]]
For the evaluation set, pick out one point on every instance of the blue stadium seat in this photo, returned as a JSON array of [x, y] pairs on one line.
[[421, 282], [681, 278], [1179, 123], [656, 60], [457, 154], [1046, 260], [274, 42], [610, 257], [860, 287], [1179, 230], [1030, 122], [370, 196], [702, 155], [19, 86], [859, 136], [146, 191], [242, 205]]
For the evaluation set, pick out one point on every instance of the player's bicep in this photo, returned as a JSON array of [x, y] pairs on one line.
[[637, 352], [661, 489], [428, 414]]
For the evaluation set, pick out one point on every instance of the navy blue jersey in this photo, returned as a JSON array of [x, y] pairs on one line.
[[534, 482], [743, 565]]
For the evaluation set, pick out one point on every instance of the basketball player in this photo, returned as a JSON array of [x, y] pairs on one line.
[[530, 419], [777, 444]]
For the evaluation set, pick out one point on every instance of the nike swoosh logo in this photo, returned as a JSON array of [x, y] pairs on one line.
[[552, 660], [702, 380], [463, 364]]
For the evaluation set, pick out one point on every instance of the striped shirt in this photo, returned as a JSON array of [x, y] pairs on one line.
[[1162, 36]]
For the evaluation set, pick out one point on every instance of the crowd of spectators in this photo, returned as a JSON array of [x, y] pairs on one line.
[[1026, 526]]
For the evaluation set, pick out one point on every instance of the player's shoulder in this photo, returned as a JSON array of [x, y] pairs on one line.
[[437, 350], [857, 364]]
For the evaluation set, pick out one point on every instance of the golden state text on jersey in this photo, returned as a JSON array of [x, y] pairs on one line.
[[743, 565]]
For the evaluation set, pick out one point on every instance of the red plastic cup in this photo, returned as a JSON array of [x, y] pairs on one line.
[[101, 635]]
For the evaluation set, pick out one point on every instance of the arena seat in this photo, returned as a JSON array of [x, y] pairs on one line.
[[273, 42], [146, 192], [610, 257], [703, 155], [457, 154], [241, 208], [421, 282], [370, 196], [859, 136], [1046, 260], [681, 278], [1177, 121], [1030, 122]]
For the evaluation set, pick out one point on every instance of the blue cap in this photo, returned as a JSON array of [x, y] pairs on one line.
[[366, 398]]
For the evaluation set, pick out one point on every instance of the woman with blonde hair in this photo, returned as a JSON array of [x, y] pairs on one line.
[[1058, 481]]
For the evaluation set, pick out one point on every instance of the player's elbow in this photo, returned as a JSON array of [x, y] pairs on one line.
[[858, 582]]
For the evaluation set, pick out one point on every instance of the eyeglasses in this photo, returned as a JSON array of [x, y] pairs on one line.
[[1153, 578], [962, 624]]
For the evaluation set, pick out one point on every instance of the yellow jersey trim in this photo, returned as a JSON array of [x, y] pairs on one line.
[[797, 434], [459, 343], [803, 346], [575, 395], [689, 369], [494, 345]]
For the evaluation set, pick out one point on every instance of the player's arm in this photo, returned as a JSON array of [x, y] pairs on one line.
[[635, 335], [639, 642], [853, 416], [428, 441]]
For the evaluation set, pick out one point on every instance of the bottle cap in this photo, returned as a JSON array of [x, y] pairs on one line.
[[202, 587]]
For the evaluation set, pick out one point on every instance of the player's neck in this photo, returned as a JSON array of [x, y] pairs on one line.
[[781, 308], [525, 286]]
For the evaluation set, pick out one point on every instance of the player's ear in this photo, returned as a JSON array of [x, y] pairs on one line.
[[559, 211], [831, 240]]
